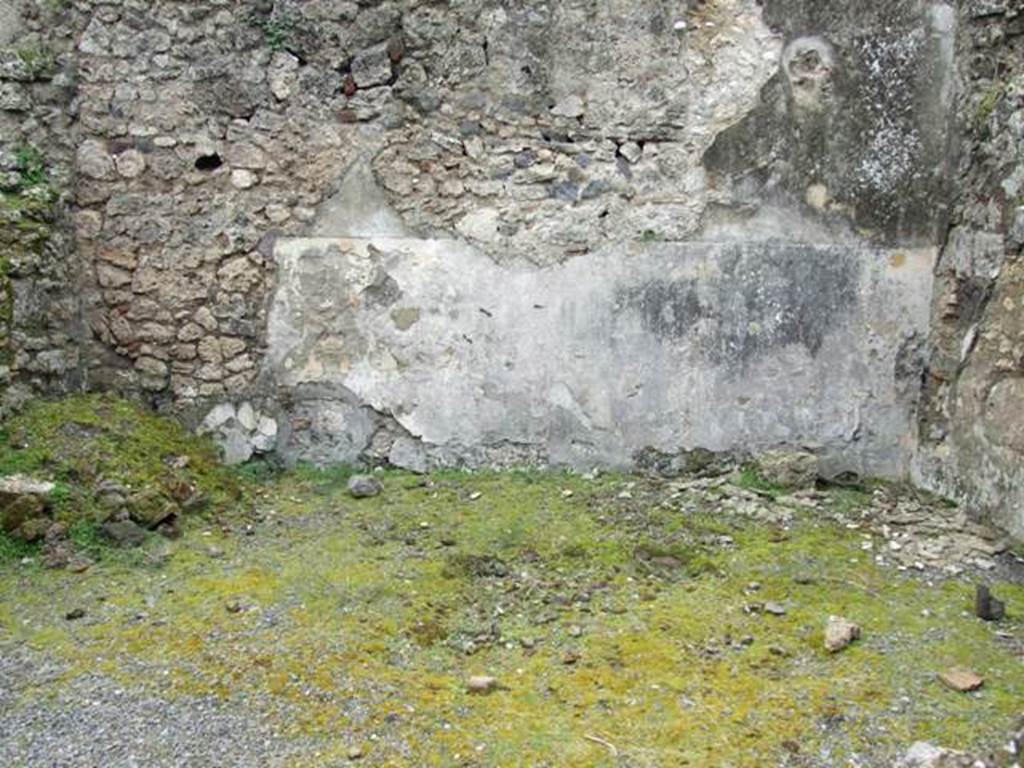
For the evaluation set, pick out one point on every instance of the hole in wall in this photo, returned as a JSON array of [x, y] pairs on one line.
[[209, 162]]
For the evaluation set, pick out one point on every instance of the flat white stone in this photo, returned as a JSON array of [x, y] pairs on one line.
[[247, 416], [221, 414]]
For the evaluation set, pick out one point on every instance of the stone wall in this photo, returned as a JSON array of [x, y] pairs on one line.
[[483, 232], [41, 277], [972, 422]]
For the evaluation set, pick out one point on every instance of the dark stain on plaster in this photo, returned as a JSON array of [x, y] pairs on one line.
[[865, 120], [383, 291], [764, 297]]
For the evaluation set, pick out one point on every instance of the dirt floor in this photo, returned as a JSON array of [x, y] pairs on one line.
[[622, 621]]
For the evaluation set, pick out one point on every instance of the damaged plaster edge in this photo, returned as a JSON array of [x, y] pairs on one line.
[[263, 427]]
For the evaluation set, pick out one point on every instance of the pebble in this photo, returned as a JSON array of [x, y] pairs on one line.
[[354, 753], [962, 680], [481, 684], [364, 486], [775, 609], [79, 564], [839, 633], [74, 614]]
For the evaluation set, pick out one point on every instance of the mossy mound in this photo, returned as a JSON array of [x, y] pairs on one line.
[[107, 455]]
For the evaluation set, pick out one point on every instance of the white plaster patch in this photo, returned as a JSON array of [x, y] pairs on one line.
[[576, 360]]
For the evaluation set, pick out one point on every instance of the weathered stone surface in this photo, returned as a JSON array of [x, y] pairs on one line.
[[372, 67], [94, 161], [972, 445], [130, 164], [325, 432], [882, 163], [408, 454], [283, 74]]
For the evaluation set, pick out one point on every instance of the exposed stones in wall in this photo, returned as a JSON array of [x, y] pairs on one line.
[[560, 128], [189, 160], [40, 324], [542, 134], [972, 425], [241, 431]]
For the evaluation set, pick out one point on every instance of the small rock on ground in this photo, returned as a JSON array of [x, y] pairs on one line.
[[962, 680], [364, 486], [482, 684], [923, 754], [986, 606], [124, 533], [839, 633]]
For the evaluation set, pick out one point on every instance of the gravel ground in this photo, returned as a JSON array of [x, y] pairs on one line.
[[93, 723]]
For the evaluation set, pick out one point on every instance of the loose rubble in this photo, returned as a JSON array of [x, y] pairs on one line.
[[24, 506]]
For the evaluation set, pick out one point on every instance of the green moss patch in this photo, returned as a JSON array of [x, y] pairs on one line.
[[86, 442], [624, 623]]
